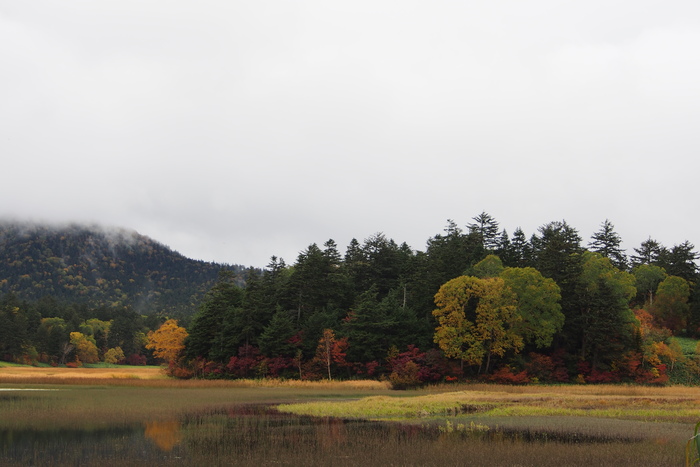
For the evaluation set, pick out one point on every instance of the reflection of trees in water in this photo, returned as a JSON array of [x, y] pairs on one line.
[[166, 435], [258, 432], [257, 435]]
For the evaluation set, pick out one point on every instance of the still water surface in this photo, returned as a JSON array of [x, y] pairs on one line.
[[259, 435]]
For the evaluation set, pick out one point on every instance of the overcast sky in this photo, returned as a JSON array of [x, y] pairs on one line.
[[232, 131]]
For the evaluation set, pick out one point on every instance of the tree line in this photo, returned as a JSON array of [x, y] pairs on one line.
[[477, 302], [53, 332]]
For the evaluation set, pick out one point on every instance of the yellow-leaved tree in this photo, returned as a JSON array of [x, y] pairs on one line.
[[168, 341], [85, 348], [476, 319]]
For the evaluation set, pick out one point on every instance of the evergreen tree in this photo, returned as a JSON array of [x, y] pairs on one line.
[[604, 321], [276, 339], [607, 242], [486, 228], [648, 253], [521, 254], [505, 249], [123, 332], [14, 332], [206, 338], [557, 255], [368, 328], [680, 261], [317, 284], [447, 257]]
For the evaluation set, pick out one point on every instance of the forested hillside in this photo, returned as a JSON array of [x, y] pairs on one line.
[[102, 268]]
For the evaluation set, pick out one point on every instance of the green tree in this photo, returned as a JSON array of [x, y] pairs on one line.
[[680, 261], [557, 255], [490, 331], [648, 253], [647, 280], [206, 334], [114, 355], [98, 330], [124, 332], [671, 310], [378, 263], [486, 229], [607, 242], [557, 251], [374, 325], [521, 254], [604, 320], [265, 294], [447, 256], [53, 338], [537, 302], [369, 328], [491, 266], [14, 332], [277, 338], [317, 283]]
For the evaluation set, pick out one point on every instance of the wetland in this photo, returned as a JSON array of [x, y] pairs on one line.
[[133, 421]]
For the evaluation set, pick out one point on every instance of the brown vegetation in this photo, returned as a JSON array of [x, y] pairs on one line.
[[40, 374]]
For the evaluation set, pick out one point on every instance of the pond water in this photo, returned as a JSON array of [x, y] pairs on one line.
[[259, 435]]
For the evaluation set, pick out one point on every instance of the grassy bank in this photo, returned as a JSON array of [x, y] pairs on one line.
[[668, 404]]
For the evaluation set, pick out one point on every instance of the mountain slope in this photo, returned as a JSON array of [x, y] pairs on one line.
[[102, 267]]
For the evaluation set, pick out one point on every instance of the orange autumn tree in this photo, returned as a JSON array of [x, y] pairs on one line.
[[168, 341], [331, 350]]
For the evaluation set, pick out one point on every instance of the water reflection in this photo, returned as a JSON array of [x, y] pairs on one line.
[[166, 435], [259, 435]]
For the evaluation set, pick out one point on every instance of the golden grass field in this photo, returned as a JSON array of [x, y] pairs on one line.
[[155, 377], [42, 373]]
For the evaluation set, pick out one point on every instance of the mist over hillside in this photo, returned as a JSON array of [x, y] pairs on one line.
[[102, 266]]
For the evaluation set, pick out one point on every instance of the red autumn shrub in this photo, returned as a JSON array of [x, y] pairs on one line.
[[405, 376], [213, 370], [179, 370], [278, 366], [505, 375], [603, 377], [369, 368], [244, 364], [136, 360], [540, 367]]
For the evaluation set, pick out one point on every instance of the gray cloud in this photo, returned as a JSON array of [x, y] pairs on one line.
[[237, 131]]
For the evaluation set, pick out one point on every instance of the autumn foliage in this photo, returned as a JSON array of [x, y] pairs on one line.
[[168, 341]]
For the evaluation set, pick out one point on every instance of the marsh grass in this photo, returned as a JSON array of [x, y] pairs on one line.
[[217, 422], [151, 376], [665, 404]]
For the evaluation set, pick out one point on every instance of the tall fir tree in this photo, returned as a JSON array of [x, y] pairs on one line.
[[608, 243], [486, 227]]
